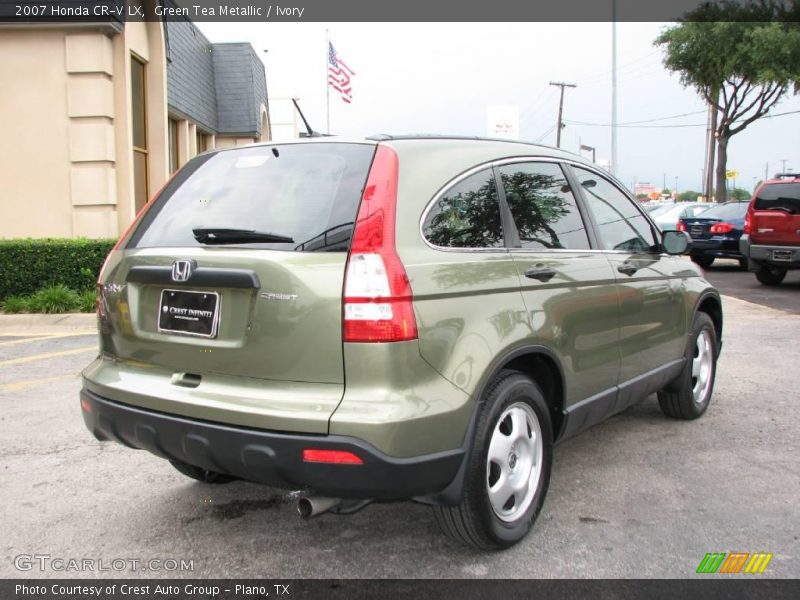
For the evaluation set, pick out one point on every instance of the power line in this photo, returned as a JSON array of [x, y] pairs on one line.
[[634, 125], [697, 112], [541, 137]]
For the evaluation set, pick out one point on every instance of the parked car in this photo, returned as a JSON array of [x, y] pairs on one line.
[[668, 219], [771, 240], [392, 318], [715, 233], [655, 208]]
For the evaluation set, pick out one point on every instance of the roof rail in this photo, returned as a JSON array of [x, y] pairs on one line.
[[787, 176], [383, 137]]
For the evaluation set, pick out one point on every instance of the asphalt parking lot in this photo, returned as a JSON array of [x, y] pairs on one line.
[[637, 496]]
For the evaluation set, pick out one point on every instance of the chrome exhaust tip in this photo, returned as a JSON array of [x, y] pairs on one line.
[[312, 506]]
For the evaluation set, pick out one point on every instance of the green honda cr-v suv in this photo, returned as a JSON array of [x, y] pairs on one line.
[[394, 317]]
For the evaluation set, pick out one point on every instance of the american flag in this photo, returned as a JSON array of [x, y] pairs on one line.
[[339, 75]]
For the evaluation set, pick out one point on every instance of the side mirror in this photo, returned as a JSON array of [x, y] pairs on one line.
[[676, 242]]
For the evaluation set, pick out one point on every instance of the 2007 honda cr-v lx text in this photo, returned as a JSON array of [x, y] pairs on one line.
[[394, 318]]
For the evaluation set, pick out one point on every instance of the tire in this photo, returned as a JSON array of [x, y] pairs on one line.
[[688, 396], [703, 261], [769, 276], [200, 474], [483, 520]]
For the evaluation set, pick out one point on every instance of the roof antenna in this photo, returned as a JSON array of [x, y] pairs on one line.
[[311, 132]]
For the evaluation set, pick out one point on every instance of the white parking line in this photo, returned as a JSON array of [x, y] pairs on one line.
[[35, 357], [35, 337]]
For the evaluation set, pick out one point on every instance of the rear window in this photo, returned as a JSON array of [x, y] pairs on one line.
[[779, 196], [306, 193], [730, 210]]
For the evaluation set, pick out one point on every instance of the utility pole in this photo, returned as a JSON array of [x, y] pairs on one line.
[[783, 165], [560, 125], [614, 169]]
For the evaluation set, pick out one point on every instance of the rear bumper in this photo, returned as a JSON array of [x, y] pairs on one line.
[[759, 255], [716, 247], [268, 457]]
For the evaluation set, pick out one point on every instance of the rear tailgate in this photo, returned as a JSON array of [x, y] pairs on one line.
[[229, 330], [699, 228], [776, 215]]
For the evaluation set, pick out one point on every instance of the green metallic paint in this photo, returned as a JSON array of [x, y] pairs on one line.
[[395, 401], [297, 339], [244, 401]]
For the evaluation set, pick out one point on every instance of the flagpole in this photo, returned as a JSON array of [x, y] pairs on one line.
[[327, 85]]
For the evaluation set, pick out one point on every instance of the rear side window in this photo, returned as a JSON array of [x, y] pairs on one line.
[[543, 206], [467, 215], [780, 196], [620, 223], [306, 193], [729, 210]]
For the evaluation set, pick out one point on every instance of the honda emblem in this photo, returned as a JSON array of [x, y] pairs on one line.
[[182, 270]]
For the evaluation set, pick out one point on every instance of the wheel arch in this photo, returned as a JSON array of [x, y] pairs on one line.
[[711, 304], [541, 364]]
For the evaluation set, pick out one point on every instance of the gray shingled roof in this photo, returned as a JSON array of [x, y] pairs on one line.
[[221, 87]]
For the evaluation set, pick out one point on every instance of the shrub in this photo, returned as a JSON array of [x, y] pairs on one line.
[[28, 265], [54, 299], [16, 304], [86, 301]]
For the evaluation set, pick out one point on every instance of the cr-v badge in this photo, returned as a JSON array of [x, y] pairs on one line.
[[278, 296]]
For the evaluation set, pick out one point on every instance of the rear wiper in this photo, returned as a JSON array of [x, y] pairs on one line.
[[214, 235], [785, 209]]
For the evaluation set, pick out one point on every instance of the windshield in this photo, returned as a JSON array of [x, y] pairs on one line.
[[305, 197], [779, 196], [729, 210]]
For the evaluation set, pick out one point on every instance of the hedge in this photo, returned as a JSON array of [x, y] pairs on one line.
[[27, 265]]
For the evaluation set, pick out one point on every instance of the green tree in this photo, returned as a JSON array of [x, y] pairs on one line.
[[742, 58], [739, 194], [688, 196]]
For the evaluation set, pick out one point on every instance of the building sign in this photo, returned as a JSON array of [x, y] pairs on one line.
[[503, 122]]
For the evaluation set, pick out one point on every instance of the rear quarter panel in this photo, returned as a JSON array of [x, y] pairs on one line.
[[468, 303]]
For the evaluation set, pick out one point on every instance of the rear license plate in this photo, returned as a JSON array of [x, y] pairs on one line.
[[189, 313], [696, 231], [782, 255]]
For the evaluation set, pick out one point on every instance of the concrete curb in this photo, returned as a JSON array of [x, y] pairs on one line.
[[43, 324]]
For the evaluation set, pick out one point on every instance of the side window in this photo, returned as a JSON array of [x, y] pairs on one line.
[[467, 215], [543, 206], [621, 226]]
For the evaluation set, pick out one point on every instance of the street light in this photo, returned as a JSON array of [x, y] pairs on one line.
[[589, 148], [676, 186]]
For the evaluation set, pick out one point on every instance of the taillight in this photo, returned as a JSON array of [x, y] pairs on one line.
[[377, 295], [681, 226], [747, 223], [721, 228], [336, 457]]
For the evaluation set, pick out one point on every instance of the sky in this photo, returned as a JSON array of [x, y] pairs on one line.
[[442, 77]]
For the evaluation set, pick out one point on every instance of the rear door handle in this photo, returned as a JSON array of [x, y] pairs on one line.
[[540, 273], [628, 268]]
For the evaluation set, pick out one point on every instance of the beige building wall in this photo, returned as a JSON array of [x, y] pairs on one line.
[[35, 160], [66, 167], [66, 164]]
